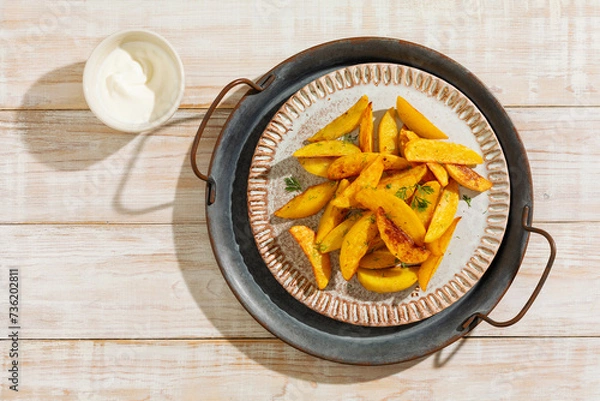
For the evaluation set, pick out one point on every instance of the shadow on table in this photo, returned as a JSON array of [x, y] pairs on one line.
[[37, 127]]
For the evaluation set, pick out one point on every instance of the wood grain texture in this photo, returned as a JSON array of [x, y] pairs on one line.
[[527, 53], [65, 166], [473, 369], [120, 295], [161, 281]]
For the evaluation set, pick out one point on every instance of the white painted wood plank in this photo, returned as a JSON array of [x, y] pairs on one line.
[[475, 369], [149, 281], [66, 166], [528, 53], [562, 148], [161, 281]]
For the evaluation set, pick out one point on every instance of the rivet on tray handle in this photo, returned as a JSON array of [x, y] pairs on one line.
[[473, 319], [210, 111]]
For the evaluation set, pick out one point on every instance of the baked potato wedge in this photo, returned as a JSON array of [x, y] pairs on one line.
[[356, 244], [395, 209], [444, 212], [403, 184], [343, 124], [440, 245], [365, 132], [437, 248], [427, 270], [468, 178], [416, 121], [440, 173], [379, 259], [333, 148], [321, 263], [309, 202], [400, 244], [388, 133], [430, 150], [316, 165], [333, 240], [332, 216], [404, 136], [392, 279], [352, 165], [368, 178], [425, 199]]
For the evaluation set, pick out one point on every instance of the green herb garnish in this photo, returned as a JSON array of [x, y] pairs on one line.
[[418, 201], [401, 193], [349, 138], [292, 184], [467, 199]]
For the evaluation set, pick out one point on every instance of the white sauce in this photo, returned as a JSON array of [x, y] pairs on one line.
[[138, 82]]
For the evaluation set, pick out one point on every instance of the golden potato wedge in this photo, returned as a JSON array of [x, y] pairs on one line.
[[368, 178], [392, 279], [321, 263], [376, 244], [425, 199], [365, 132], [395, 209], [316, 165], [429, 150], [427, 269], [331, 148], [418, 172], [356, 243], [468, 178], [416, 121], [444, 212], [309, 202], [351, 165], [439, 246], [379, 259], [404, 136], [403, 184], [440, 173], [400, 244], [343, 124], [388, 133], [332, 215], [402, 139], [333, 240]]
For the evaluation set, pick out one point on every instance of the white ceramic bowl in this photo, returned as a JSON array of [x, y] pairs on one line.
[[169, 92]]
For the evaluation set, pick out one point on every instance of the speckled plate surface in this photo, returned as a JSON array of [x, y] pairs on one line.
[[476, 239]]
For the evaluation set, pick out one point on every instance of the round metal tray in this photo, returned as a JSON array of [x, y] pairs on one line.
[[243, 267]]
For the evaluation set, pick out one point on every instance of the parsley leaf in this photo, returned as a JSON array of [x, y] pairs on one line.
[[418, 201], [467, 199], [401, 193], [423, 189]]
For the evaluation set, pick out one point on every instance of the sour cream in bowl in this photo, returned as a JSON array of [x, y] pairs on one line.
[[134, 81]]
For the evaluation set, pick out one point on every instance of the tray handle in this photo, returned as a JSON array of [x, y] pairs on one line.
[[475, 318], [210, 111]]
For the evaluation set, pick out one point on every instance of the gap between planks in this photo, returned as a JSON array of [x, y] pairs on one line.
[[277, 340]]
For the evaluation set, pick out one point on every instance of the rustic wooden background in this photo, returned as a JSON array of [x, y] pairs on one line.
[[120, 295]]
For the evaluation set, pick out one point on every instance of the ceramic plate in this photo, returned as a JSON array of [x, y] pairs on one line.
[[475, 241]]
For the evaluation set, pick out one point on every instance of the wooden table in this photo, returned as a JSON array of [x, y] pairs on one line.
[[120, 297]]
